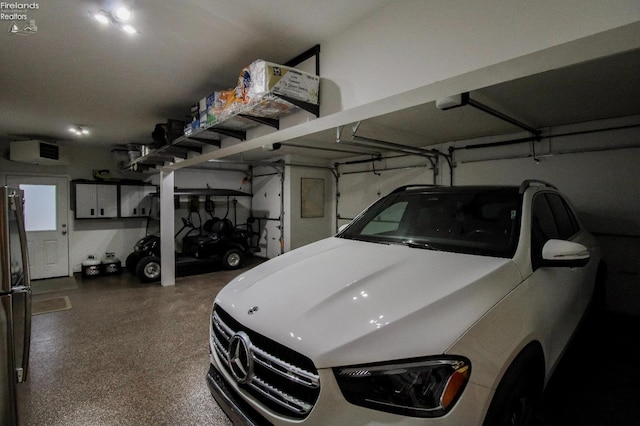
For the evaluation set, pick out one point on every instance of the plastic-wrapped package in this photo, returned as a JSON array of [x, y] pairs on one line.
[[267, 77], [253, 95]]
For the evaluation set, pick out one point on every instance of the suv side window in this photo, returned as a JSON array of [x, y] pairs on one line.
[[543, 228], [566, 221]]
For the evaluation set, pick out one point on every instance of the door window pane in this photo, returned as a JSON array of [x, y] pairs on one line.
[[39, 207]]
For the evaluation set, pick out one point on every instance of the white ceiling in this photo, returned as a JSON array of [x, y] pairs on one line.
[[74, 72]]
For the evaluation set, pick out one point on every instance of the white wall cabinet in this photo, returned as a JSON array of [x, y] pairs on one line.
[[96, 201], [134, 200], [101, 200]]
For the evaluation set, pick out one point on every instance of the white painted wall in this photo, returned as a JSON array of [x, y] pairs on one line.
[[97, 237], [602, 183], [415, 43], [86, 237]]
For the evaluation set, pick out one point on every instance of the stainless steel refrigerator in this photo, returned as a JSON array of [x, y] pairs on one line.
[[15, 302]]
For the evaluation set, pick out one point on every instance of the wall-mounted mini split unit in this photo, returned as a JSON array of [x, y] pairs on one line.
[[38, 152]]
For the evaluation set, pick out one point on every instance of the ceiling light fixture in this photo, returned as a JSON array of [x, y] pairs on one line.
[[103, 17], [128, 29], [123, 13], [117, 17], [79, 130]]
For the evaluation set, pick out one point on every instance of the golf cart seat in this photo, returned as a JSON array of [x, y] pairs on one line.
[[214, 230], [222, 227], [208, 225]]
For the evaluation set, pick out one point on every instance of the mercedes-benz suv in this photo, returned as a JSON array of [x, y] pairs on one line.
[[436, 305]]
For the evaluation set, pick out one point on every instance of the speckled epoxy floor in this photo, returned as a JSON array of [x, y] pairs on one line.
[[125, 354], [136, 354]]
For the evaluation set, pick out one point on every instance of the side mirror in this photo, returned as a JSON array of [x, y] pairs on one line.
[[342, 227], [560, 253]]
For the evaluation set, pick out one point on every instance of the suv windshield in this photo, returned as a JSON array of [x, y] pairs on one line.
[[483, 221]]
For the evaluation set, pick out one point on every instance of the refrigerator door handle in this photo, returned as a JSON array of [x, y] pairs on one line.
[[21, 371]]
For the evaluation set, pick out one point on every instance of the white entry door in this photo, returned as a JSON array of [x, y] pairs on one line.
[[46, 212]]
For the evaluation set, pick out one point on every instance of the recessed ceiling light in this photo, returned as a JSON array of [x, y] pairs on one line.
[[102, 17], [79, 130], [116, 17], [123, 13], [128, 29]]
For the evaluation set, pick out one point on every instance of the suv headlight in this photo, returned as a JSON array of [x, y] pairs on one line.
[[419, 388]]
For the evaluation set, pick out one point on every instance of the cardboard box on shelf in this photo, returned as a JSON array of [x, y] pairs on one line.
[[282, 80]]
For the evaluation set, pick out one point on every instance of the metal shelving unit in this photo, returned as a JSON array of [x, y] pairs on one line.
[[265, 111]]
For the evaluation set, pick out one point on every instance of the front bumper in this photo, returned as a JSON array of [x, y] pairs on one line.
[[333, 409], [234, 407]]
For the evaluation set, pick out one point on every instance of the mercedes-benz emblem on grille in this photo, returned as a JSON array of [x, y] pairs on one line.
[[240, 360], [253, 310]]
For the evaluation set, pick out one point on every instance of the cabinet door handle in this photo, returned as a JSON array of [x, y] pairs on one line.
[[135, 211], [93, 212], [101, 212]]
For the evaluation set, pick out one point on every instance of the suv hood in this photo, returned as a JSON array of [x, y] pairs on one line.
[[343, 302]]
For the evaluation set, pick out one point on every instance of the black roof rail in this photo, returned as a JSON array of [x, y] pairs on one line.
[[419, 185], [530, 182]]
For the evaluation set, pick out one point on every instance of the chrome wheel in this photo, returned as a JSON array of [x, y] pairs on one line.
[[232, 259], [152, 270], [148, 269]]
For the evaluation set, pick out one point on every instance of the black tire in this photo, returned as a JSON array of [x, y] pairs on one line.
[[518, 395], [233, 259], [132, 262], [148, 269]]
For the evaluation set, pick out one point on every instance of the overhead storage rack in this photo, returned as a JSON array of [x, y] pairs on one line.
[[267, 109]]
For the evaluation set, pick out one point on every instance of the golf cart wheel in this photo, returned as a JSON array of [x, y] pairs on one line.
[[132, 262], [233, 259], [148, 269]]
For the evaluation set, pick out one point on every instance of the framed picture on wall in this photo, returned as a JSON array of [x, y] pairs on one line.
[[311, 197]]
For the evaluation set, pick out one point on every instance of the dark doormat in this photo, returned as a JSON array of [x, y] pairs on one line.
[[53, 284], [50, 305]]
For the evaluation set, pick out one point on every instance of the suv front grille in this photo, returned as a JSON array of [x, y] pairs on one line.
[[283, 380]]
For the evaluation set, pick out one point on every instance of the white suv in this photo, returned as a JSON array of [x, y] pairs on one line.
[[436, 305]]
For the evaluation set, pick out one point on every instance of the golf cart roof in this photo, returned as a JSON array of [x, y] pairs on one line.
[[211, 192]]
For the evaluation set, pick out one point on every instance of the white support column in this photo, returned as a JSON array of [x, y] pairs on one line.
[[167, 217]]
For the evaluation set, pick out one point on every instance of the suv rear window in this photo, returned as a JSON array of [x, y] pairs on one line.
[[484, 221]]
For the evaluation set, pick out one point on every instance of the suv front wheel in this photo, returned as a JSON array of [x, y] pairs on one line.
[[518, 395]]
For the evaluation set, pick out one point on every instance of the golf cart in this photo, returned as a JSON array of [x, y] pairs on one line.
[[216, 241]]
